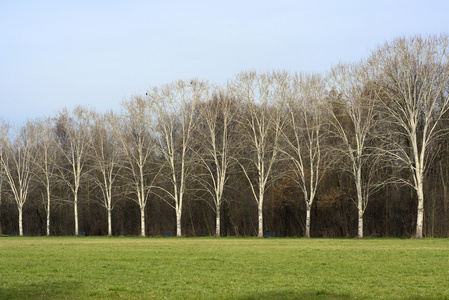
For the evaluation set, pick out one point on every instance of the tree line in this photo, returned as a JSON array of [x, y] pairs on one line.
[[362, 149]]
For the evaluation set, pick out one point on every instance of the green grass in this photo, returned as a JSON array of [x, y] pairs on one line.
[[222, 268]]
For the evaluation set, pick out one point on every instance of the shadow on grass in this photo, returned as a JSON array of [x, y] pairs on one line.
[[296, 295], [57, 289]]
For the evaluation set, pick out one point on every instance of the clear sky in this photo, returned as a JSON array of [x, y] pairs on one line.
[[56, 54]]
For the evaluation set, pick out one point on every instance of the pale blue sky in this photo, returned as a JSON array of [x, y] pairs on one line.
[[56, 54]]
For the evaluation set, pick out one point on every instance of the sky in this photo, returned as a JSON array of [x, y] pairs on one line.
[[61, 54]]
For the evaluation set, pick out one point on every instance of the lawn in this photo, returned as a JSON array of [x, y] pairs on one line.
[[222, 268]]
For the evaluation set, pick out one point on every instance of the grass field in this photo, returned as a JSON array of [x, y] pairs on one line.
[[222, 268]]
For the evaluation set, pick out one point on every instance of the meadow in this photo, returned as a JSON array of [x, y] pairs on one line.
[[222, 268]]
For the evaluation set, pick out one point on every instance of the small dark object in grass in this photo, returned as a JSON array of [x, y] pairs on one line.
[[81, 234], [167, 234], [13, 234], [269, 234]]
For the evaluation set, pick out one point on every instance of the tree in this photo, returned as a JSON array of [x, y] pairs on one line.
[[412, 80], [303, 136], [107, 160], [353, 119], [45, 160], [1, 190], [217, 142], [72, 130], [134, 136], [174, 107], [16, 161], [263, 120]]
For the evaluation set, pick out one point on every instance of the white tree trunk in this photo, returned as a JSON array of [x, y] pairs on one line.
[[75, 208], [420, 219], [48, 222], [360, 224], [309, 207], [109, 222], [218, 222], [142, 221], [20, 220], [48, 210], [178, 223], [359, 203], [260, 213]]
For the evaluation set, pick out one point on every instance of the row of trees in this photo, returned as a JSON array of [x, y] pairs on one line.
[[376, 125]]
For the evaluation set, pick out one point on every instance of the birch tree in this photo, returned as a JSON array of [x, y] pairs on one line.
[[353, 118], [4, 128], [133, 134], [74, 139], [107, 160], [217, 142], [16, 161], [174, 120], [412, 77], [1, 190], [45, 161], [263, 97], [304, 135]]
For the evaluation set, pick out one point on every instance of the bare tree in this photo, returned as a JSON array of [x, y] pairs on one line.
[[134, 136], [107, 160], [72, 130], [303, 136], [217, 140], [1, 188], [4, 128], [174, 107], [45, 160], [16, 161], [412, 78], [263, 96], [353, 119]]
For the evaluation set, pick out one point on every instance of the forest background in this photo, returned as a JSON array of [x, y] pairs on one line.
[[359, 151]]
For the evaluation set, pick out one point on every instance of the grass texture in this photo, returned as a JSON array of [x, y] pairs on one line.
[[222, 268]]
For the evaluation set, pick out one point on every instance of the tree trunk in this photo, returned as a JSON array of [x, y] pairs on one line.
[[359, 204], [360, 224], [446, 211], [1, 183], [48, 210], [1, 230], [48, 222], [420, 219], [445, 200], [309, 207], [178, 223], [217, 223], [75, 208], [260, 214], [20, 220], [142, 221], [109, 222], [387, 195]]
